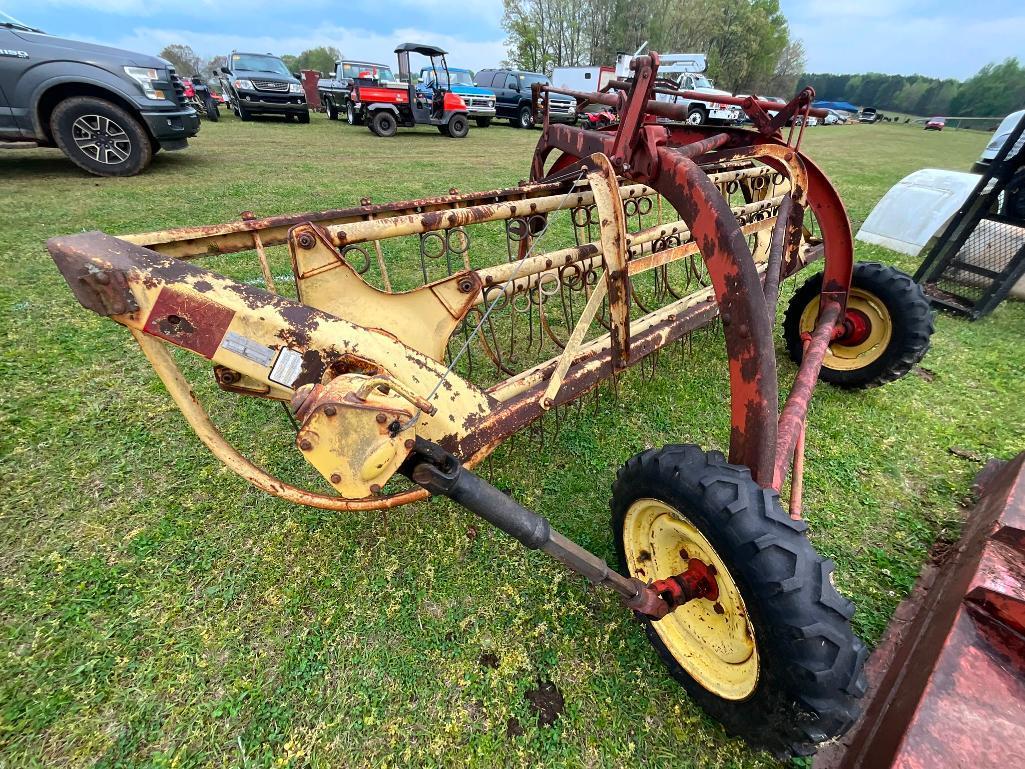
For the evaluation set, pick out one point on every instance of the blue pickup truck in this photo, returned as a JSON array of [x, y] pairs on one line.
[[480, 102]]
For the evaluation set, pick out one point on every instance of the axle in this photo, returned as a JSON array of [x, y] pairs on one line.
[[438, 471]]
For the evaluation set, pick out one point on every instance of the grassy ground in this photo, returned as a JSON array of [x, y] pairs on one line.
[[157, 611]]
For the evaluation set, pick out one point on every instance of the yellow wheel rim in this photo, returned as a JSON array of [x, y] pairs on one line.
[[713, 641], [846, 357]]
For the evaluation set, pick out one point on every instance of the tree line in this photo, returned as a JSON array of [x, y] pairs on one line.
[[187, 62], [994, 91], [747, 42]]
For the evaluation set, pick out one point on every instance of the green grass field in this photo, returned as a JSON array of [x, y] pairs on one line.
[[155, 610]]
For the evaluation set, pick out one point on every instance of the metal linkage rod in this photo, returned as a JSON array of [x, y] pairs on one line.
[[433, 468]]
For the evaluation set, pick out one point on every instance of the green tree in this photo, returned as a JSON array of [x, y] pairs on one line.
[[184, 60]]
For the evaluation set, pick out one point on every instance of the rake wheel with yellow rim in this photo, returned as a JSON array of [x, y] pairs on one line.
[[885, 329], [773, 656]]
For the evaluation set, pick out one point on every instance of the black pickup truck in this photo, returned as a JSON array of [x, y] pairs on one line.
[[334, 91], [260, 84], [108, 110]]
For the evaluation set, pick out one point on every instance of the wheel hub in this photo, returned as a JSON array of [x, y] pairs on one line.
[[855, 328]]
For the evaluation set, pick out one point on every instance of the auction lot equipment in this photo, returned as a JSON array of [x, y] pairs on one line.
[[408, 355], [385, 106]]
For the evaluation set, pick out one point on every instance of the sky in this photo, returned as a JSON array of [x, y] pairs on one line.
[[940, 38]]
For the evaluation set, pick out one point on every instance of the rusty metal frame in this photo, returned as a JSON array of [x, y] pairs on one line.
[[143, 283], [663, 157]]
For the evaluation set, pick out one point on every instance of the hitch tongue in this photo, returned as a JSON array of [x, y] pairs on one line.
[[438, 471]]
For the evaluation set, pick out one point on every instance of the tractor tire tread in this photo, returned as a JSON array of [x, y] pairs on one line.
[[812, 663], [909, 309]]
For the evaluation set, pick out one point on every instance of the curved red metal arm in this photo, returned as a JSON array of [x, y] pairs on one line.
[[668, 158]]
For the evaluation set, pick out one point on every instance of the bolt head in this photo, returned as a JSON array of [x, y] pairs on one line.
[[382, 418], [330, 411], [305, 445], [375, 488], [336, 478]]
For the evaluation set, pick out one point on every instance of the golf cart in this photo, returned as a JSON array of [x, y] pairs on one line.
[[386, 106]]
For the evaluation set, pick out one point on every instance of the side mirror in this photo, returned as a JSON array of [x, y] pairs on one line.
[[296, 75], [225, 71]]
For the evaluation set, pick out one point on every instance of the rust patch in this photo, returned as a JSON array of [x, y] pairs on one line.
[[188, 321]]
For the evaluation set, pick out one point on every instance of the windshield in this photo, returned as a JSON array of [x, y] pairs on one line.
[[457, 78], [367, 71], [700, 81], [256, 63], [528, 80], [13, 23]]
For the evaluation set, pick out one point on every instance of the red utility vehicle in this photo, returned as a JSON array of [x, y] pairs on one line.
[[385, 106]]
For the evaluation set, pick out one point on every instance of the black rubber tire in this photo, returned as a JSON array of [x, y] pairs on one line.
[[458, 127], [213, 114], [482, 122], [383, 124], [243, 113], [910, 313], [331, 109], [810, 675], [443, 130], [524, 117], [1012, 200], [697, 116], [140, 147], [352, 117], [303, 117]]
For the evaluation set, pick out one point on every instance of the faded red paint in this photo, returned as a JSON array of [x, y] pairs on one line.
[[187, 321], [947, 687]]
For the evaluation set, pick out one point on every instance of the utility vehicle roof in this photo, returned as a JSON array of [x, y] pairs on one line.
[[421, 48]]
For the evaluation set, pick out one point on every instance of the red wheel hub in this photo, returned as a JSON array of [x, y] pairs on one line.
[[697, 582], [854, 329]]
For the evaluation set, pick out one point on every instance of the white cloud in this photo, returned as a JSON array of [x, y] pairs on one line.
[[902, 37], [353, 43]]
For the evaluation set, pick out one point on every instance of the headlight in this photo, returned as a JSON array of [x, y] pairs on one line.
[[295, 88], [244, 85], [146, 77], [572, 108]]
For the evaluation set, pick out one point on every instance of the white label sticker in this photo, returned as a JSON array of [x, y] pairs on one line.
[[248, 348], [287, 367]]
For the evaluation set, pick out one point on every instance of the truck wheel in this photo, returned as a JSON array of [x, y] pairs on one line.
[[697, 116], [888, 325], [482, 122], [458, 126], [352, 117], [303, 117], [1012, 200], [773, 657], [383, 124], [243, 113], [100, 137], [331, 109], [525, 117]]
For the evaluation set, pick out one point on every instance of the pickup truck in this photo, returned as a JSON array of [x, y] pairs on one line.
[[335, 91], [108, 110], [260, 84], [706, 109], [480, 102], [512, 97]]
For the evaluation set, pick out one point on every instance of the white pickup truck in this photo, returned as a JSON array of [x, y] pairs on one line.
[[682, 71]]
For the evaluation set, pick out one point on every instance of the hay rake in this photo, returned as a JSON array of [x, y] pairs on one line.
[[410, 352]]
